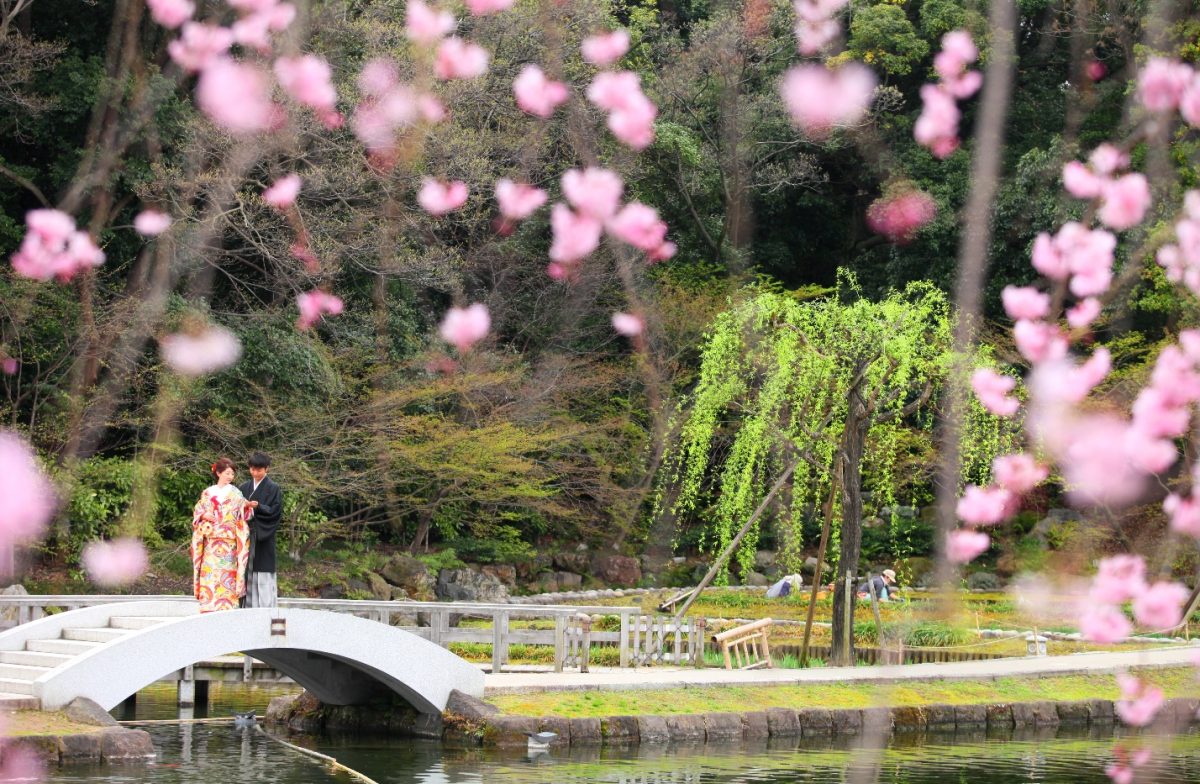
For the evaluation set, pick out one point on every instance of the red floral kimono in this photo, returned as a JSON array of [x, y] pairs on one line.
[[220, 550]]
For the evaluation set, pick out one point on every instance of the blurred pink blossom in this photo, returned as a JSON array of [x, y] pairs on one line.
[[438, 198], [965, 546], [199, 46], [484, 7], [1157, 415], [1118, 579], [29, 497], [633, 123], [1160, 607], [171, 13], [663, 252], [1108, 159], [518, 200], [1096, 70], [10, 366], [459, 59], [593, 191], [464, 327], [1140, 700], [283, 192], [114, 563], [200, 353], [1080, 181], [627, 324], [575, 235], [1084, 313], [237, 97], [1104, 624], [314, 305], [639, 226], [937, 126], [1162, 82], [992, 389], [985, 505], [1018, 473], [151, 223], [604, 49], [20, 764], [1124, 202], [958, 51], [1103, 460], [1184, 514], [54, 248], [1025, 302], [1039, 341], [308, 80], [815, 25], [820, 100], [900, 217], [611, 89], [431, 109], [253, 32], [536, 94], [377, 77], [426, 25]]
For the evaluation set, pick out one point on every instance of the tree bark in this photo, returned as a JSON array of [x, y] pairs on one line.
[[854, 438]]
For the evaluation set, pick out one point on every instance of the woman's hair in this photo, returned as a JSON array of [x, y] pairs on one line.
[[219, 467]]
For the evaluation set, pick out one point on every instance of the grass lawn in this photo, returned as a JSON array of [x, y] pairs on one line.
[[1175, 682], [28, 723]]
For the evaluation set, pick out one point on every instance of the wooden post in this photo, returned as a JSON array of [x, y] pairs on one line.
[[585, 642], [816, 586], [875, 610], [623, 645], [848, 631], [560, 641], [700, 627]]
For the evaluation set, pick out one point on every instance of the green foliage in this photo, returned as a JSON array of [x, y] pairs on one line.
[[446, 558], [504, 545], [101, 493], [882, 35]]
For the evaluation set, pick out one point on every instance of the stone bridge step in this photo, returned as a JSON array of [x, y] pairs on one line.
[[69, 647], [22, 672], [15, 702], [35, 658], [98, 634], [12, 686], [137, 621]]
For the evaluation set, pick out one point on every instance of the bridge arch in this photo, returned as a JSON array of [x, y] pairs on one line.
[[341, 659]]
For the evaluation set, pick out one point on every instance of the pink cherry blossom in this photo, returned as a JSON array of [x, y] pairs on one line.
[[308, 80], [518, 200], [171, 13], [283, 192], [536, 94], [1096, 70], [1118, 579], [1038, 341], [115, 563], [199, 46], [1018, 473], [314, 305], [1156, 414], [484, 7], [820, 100], [253, 32], [1162, 82], [958, 51], [937, 126], [426, 25], [459, 59], [593, 191], [633, 123], [10, 366], [1124, 202], [200, 353], [610, 90], [464, 327], [1080, 181], [1104, 624], [1140, 700], [964, 546], [627, 324], [1103, 460], [575, 235], [812, 37], [639, 226], [1184, 514], [1160, 607], [151, 223], [899, 218], [663, 252], [1083, 313], [377, 77], [1086, 254], [237, 97], [54, 248], [1025, 302], [992, 389], [438, 198], [1108, 159], [1148, 453], [604, 49], [431, 109], [985, 505], [29, 497], [1189, 104]]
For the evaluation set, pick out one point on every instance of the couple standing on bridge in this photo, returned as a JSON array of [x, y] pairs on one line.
[[233, 538]]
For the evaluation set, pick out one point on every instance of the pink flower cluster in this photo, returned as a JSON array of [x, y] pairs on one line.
[[630, 113], [389, 107], [1122, 771], [151, 223], [199, 353], [536, 94], [518, 200], [815, 24], [1084, 255], [1181, 259], [426, 25], [455, 58], [460, 59], [992, 389], [628, 324], [1139, 702], [29, 496], [820, 100], [438, 198], [604, 49], [1014, 475], [1165, 85], [115, 563], [283, 192], [314, 305], [900, 217], [309, 81], [54, 248], [1121, 579], [1123, 200], [237, 97], [171, 13], [464, 327], [937, 127]]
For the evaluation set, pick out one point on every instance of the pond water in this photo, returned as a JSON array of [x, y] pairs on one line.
[[212, 753]]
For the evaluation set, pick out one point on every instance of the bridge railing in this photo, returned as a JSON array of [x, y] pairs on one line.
[[438, 623]]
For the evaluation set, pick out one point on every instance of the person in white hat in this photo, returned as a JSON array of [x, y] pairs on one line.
[[881, 583]]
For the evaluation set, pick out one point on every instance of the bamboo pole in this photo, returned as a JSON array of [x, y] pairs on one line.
[[812, 596]]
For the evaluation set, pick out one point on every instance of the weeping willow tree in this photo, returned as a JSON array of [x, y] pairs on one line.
[[827, 389]]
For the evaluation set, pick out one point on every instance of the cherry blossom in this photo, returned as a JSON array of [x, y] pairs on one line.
[[1083, 313], [199, 46], [151, 223], [1124, 202], [438, 198], [1139, 702], [631, 113], [1080, 181], [484, 7], [663, 252], [377, 77], [627, 324], [54, 248], [985, 505], [1018, 473], [604, 49], [1161, 83], [536, 94], [464, 327], [308, 80], [611, 89], [958, 51], [1107, 159], [593, 191], [638, 225], [575, 235], [1160, 607], [283, 192], [29, 496], [964, 546], [115, 563], [937, 126], [237, 97], [459, 59], [171, 13], [10, 366], [314, 305], [899, 218], [518, 200], [815, 26], [1025, 302], [426, 25], [820, 100], [200, 352], [1184, 514], [1104, 624], [1118, 579], [992, 389]]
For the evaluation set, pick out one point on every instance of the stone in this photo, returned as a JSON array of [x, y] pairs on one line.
[[568, 581], [983, 581], [122, 743], [617, 570], [85, 711], [722, 727], [653, 730], [410, 574], [380, 590], [970, 716], [8, 615], [1035, 714], [79, 748], [505, 573], [1000, 715], [469, 707], [782, 723], [686, 728], [585, 732], [619, 730], [908, 719], [508, 731], [810, 566], [764, 559], [1100, 711], [757, 579], [877, 721], [939, 716], [279, 708], [1180, 711], [576, 561], [844, 722], [41, 747], [559, 725], [332, 591], [470, 585], [1073, 713], [814, 721], [754, 725]]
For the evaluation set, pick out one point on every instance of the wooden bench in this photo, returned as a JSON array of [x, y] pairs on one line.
[[741, 644]]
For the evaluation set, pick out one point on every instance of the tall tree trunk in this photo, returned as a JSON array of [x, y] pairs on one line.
[[854, 438]]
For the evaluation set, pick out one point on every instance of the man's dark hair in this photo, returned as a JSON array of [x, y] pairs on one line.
[[260, 460]]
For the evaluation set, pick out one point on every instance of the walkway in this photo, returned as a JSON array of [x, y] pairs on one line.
[[614, 679]]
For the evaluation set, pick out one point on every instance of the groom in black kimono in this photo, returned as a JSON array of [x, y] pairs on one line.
[[265, 501]]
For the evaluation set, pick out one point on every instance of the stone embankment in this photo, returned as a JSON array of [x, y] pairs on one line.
[[108, 743]]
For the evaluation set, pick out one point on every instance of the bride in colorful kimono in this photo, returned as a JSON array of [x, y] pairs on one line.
[[220, 542]]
